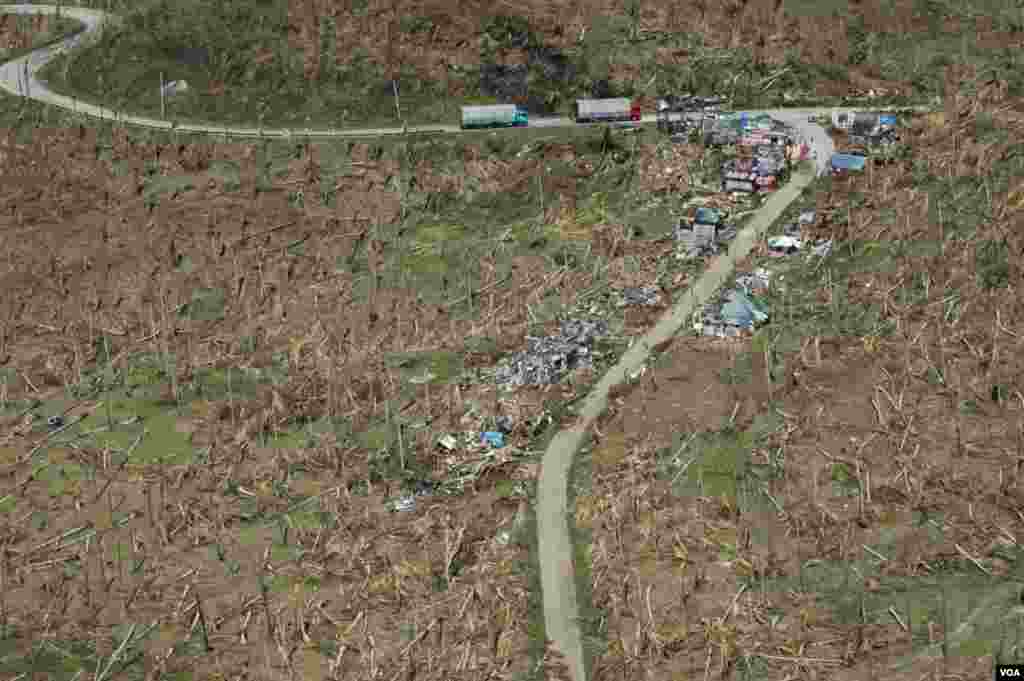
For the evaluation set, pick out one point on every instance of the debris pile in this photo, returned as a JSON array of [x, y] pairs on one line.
[[786, 244], [487, 450], [546, 360], [737, 311], [756, 282], [791, 243], [703, 232], [696, 239], [646, 296]]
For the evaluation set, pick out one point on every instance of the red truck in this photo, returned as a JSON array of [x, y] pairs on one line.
[[606, 111]]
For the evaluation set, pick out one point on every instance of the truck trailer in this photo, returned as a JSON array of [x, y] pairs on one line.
[[494, 116], [606, 111]]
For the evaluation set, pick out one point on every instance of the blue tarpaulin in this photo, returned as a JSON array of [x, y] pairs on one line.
[[739, 310], [708, 216], [848, 162], [888, 120], [493, 438]]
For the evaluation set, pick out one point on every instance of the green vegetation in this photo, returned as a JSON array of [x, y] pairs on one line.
[[58, 29], [229, 82], [241, 68], [976, 607], [717, 463], [593, 628]]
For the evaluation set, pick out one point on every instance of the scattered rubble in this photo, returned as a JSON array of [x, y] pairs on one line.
[[734, 313], [704, 231], [648, 296], [407, 502], [755, 282], [739, 308], [485, 457], [784, 245], [546, 360], [790, 243]]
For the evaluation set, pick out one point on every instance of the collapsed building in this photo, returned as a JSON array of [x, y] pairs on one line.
[[867, 130], [701, 230], [678, 114], [756, 173]]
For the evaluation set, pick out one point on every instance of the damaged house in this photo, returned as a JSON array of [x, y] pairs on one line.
[[703, 230], [752, 174], [867, 129]]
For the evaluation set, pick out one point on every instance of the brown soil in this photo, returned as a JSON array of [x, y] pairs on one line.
[[19, 31], [765, 25], [668, 568], [86, 255]]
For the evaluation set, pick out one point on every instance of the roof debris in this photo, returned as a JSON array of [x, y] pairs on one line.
[[546, 360], [646, 296]]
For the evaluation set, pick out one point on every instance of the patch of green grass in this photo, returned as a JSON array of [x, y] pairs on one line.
[[717, 463], [436, 367], [64, 660], [157, 186], [153, 425], [590, 617], [228, 172], [741, 370], [797, 311], [207, 304], [974, 608], [992, 264]]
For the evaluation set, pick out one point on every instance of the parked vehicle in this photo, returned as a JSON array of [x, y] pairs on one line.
[[605, 110], [494, 116], [672, 122]]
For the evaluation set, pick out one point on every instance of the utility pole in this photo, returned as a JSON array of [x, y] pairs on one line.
[[394, 88]]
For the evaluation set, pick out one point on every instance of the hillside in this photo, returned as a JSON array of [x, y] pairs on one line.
[[324, 62], [275, 409]]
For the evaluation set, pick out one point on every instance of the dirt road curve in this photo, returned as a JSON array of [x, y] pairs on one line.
[[556, 554]]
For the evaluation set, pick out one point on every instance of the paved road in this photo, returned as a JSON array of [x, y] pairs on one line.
[[19, 77], [14, 76]]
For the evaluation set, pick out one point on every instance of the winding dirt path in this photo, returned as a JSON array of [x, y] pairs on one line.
[[561, 612]]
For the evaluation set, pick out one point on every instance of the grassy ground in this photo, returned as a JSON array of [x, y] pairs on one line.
[[291, 68], [836, 494], [254, 349]]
